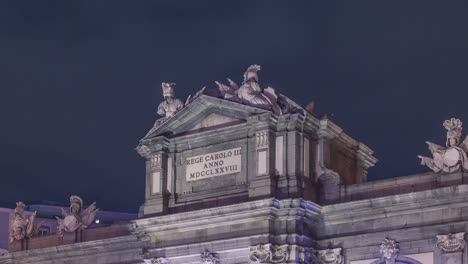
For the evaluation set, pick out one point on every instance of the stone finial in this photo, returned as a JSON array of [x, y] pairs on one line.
[[451, 243], [268, 253], [330, 256], [208, 257], [389, 249], [454, 155]]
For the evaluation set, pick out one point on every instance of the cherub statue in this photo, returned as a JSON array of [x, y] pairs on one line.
[[21, 228], [451, 158], [76, 219], [170, 105]]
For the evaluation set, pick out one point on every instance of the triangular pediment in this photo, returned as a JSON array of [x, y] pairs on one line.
[[204, 113], [213, 121]]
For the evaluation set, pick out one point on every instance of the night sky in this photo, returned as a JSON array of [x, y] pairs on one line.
[[80, 80]]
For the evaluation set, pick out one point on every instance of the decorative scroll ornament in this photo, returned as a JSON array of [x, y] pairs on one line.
[[21, 228], [389, 249], [209, 258], [76, 218], [330, 256], [451, 243], [454, 155], [268, 253]]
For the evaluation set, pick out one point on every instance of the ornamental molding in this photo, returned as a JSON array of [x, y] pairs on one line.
[[156, 261], [261, 139], [389, 249], [304, 255], [451, 242], [330, 256], [268, 253], [208, 257], [156, 161]]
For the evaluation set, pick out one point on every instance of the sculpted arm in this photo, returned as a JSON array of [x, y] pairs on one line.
[[30, 225], [88, 215], [161, 110], [434, 147]]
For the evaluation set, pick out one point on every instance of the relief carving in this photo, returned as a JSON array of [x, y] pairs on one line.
[[156, 261], [451, 243], [208, 257], [452, 157], [156, 161], [269, 253], [330, 256], [389, 250], [262, 139]]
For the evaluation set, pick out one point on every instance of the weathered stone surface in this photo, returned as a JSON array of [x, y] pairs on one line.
[[299, 195]]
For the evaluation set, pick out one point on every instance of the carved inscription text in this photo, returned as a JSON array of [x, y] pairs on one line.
[[213, 164]]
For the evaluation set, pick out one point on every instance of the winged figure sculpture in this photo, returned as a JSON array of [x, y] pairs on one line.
[[76, 218], [452, 157], [21, 228]]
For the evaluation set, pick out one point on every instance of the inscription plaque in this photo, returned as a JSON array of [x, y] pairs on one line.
[[213, 164]]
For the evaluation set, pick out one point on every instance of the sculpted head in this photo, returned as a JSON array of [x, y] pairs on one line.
[[251, 73], [168, 89], [76, 203], [389, 249], [454, 131], [19, 210]]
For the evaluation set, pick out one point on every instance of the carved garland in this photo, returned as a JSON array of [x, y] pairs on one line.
[[451, 243]]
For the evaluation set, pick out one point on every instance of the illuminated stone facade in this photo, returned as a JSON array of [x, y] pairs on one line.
[[232, 182]]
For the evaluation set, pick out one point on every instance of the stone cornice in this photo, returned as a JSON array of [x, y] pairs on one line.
[[329, 130], [395, 205], [214, 217], [123, 245]]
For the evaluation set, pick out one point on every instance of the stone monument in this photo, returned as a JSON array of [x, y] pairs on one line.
[[21, 228], [242, 174], [171, 104], [234, 144], [452, 157], [77, 218]]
